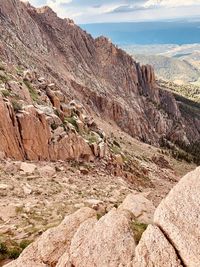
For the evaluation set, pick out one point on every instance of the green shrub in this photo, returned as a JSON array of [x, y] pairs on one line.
[[138, 229], [115, 149], [32, 91], [4, 78], [14, 253], [91, 138], [5, 92], [3, 248], [24, 243], [72, 120], [16, 105], [2, 67]]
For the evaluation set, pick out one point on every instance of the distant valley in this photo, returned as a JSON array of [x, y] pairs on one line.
[[177, 63]]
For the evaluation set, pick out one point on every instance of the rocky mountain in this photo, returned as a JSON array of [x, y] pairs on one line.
[[82, 239], [90, 138], [107, 81]]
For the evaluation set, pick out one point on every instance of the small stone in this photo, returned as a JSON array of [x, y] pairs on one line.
[[4, 186], [27, 167], [93, 201], [79, 205], [27, 189], [84, 171], [119, 159], [47, 171]]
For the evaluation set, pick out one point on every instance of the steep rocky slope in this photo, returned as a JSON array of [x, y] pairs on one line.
[[38, 123], [171, 239], [104, 78]]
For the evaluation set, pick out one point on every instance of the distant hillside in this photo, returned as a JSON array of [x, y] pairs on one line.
[[188, 91], [172, 69]]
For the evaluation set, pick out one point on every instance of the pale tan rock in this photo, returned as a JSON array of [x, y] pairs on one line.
[[154, 250], [27, 189], [7, 211], [119, 159], [142, 209], [107, 242], [66, 109], [102, 148], [28, 167], [47, 170], [48, 249], [178, 217], [4, 186]]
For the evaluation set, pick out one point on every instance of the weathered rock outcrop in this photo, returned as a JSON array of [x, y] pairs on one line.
[[95, 244], [175, 240], [28, 135], [41, 123], [142, 209], [10, 141], [96, 72], [154, 250], [81, 240]]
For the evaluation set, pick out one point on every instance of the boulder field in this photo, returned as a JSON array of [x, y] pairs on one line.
[[82, 239]]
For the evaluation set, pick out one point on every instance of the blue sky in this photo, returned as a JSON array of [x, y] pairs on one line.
[[91, 11]]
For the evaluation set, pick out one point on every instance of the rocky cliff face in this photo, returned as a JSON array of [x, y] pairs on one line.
[[171, 239], [37, 122], [94, 71]]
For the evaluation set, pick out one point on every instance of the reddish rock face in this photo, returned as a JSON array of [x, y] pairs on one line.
[[10, 141], [94, 71]]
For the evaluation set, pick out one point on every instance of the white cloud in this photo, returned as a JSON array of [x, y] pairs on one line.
[[89, 11], [171, 3]]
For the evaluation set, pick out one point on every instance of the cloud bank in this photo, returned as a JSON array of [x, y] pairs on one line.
[[91, 11]]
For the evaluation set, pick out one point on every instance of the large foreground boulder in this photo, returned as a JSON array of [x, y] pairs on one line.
[[179, 218], [81, 240], [107, 242], [49, 248], [154, 250], [177, 234]]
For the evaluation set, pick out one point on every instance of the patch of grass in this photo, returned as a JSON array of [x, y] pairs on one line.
[[14, 253], [19, 70], [3, 248], [24, 243], [115, 149], [5, 93], [91, 138], [4, 78], [11, 249], [138, 229], [16, 105], [72, 120], [32, 91]]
